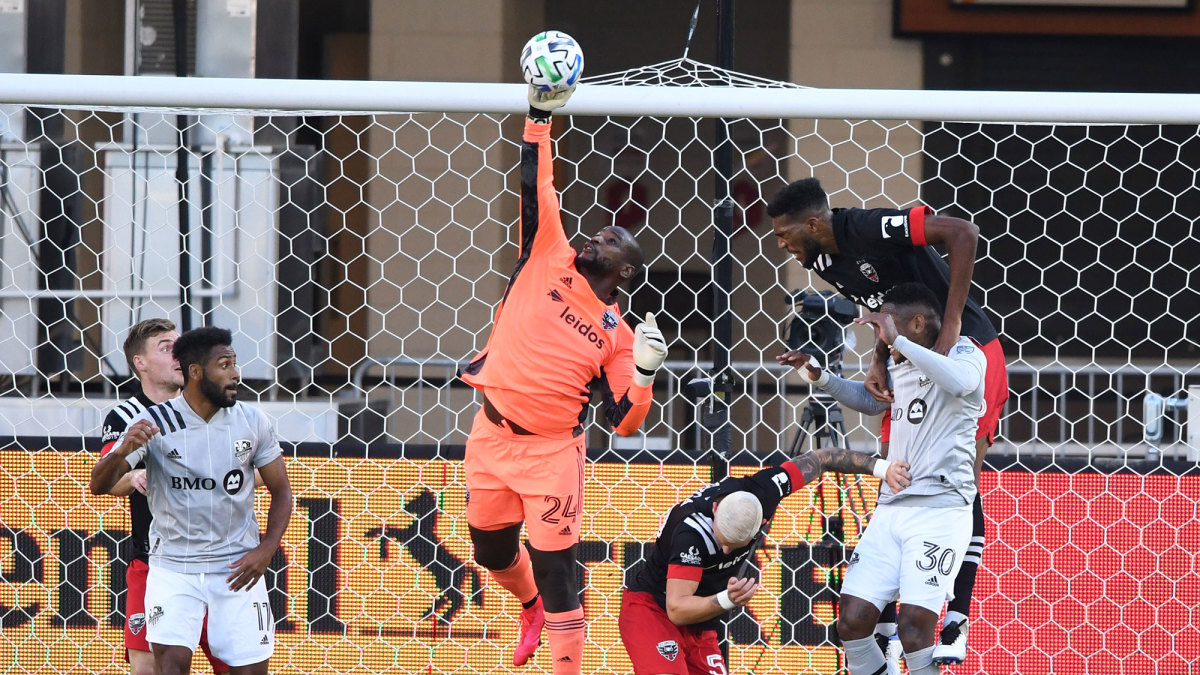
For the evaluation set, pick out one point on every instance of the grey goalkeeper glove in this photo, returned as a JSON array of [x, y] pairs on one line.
[[649, 350], [548, 101]]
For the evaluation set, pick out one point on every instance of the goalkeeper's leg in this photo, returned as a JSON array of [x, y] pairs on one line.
[[565, 628]]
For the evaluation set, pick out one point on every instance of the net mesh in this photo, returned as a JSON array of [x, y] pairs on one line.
[[358, 258]]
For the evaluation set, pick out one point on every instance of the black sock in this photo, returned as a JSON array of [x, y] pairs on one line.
[[964, 583]]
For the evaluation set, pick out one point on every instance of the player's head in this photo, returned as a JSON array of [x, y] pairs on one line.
[[916, 312], [802, 221], [209, 364], [612, 254], [148, 351], [737, 517]]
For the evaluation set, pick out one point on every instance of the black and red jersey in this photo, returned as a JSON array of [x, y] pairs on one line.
[[137, 547], [882, 248], [687, 548]]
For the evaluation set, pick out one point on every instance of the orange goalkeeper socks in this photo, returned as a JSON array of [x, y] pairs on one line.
[[566, 631], [517, 578]]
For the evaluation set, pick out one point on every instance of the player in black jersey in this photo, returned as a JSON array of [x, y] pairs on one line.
[[148, 353], [676, 595], [864, 253]]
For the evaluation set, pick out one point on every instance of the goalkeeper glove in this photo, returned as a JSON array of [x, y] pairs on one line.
[[649, 350], [542, 103]]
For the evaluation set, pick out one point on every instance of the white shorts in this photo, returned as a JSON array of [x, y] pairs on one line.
[[241, 629], [909, 552]]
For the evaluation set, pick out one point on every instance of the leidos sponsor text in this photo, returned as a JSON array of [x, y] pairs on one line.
[[584, 329]]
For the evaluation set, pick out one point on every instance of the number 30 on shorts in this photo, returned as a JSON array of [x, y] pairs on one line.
[[552, 515], [943, 562]]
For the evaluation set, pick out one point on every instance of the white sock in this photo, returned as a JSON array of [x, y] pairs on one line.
[[885, 629], [921, 663], [951, 617], [863, 656]]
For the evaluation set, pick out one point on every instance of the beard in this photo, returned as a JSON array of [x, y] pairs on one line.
[[216, 394], [812, 251], [594, 266]]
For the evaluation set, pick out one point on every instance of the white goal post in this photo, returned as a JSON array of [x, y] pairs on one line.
[[356, 236]]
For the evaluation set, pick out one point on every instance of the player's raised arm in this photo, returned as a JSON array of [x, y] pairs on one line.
[[114, 464], [853, 395], [960, 237], [541, 221]]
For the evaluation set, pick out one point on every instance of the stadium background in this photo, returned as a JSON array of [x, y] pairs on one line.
[[1092, 566]]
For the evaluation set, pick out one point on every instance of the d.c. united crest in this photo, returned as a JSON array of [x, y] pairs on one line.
[[868, 270]]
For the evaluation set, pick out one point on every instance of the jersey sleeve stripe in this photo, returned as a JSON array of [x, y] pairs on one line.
[[686, 572], [916, 224], [705, 529], [127, 410], [178, 418], [157, 419], [795, 476]]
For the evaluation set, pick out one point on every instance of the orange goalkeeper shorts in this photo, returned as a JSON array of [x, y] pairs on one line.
[[514, 478]]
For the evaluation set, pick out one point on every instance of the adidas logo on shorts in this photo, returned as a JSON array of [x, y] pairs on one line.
[[565, 531], [932, 581], [265, 641]]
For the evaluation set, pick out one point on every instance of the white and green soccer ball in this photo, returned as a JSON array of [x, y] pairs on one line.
[[552, 61]]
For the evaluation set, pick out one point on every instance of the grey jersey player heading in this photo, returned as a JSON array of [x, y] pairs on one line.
[[200, 450]]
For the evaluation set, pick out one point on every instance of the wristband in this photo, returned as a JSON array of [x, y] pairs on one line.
[[724, 601], [880, 468]]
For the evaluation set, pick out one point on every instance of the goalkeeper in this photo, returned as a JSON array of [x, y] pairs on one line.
[[557, 336], [697, 568]]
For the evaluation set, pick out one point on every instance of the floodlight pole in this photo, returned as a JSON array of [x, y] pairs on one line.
[[722, 378]]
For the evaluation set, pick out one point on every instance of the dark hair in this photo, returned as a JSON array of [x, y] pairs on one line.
[[798, 197], [917, 295], [135, 342], [195, 345]]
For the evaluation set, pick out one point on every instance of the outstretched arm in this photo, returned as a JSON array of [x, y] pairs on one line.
[[850, 394], [960, 238], [813, 464]]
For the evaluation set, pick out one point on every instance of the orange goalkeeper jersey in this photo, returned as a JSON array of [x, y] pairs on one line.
[[553, 341]]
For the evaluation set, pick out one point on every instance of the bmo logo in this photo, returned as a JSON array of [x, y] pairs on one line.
[[185, 483]]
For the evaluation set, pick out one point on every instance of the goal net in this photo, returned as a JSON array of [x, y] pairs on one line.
[[357, 236]]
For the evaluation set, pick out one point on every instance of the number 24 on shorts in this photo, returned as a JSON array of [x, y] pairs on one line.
[[569, 510]]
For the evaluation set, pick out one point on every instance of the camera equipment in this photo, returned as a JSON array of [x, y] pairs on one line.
[[818, 327]]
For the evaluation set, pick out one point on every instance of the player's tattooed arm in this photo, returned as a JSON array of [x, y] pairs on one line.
[[841, 460]]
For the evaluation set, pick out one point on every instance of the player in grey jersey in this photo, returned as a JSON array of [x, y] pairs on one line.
[[916, 539], [200, 451]]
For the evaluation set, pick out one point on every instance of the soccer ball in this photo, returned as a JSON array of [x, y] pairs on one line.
[[552, 61]]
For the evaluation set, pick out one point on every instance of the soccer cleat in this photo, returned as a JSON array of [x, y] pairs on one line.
[[952, 647], [532, 620], [892, 655]]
